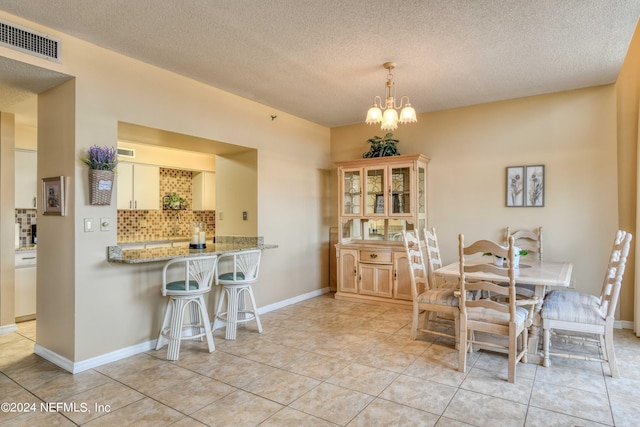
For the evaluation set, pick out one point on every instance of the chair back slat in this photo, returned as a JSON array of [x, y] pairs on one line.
[[529, 240], [417, 270], [200, 270], [246, 262], [434, 260], [614, 274], [482, 287]]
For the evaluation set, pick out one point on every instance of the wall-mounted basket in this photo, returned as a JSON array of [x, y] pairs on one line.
[[100, 186]]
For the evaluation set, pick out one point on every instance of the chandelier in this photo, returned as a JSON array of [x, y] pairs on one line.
[[389, 117]]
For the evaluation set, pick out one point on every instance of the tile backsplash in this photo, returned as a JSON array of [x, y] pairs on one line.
[[142, 225], [25, 217]]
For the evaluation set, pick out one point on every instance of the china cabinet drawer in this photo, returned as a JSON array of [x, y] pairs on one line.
[[380, 257]]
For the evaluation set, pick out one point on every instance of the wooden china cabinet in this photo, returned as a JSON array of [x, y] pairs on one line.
[[378, 198]]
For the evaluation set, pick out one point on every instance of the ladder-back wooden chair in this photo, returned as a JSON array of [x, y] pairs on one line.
[[571, 314], [482, 320], [439, 300]]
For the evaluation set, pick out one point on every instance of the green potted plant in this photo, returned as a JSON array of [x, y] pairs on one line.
[[499, 261], [102, 162], [174, 201], [382, 147]]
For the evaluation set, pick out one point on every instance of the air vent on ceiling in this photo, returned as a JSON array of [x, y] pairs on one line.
[[25, 40], [127, 152]]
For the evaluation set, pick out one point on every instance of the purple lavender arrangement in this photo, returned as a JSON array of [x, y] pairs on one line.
[[102, 158]]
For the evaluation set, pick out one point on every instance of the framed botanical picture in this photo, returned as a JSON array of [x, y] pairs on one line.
[[515, 186], [53, 196], [534, 186]]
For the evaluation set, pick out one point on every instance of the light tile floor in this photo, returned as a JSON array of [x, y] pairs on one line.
[[320, 362]]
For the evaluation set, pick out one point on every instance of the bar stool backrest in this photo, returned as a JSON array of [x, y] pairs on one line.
[[244, 267]]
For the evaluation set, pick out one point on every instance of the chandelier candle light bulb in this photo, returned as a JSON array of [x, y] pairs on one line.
[[389, 118]]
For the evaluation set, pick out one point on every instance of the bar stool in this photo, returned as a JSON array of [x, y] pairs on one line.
[[198, 274], [236, 284]]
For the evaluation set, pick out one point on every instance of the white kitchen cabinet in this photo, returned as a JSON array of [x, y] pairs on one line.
[[204, 191], [25, 285], [26, 176], [138, 186]]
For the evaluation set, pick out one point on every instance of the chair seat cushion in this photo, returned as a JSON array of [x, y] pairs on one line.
[[484, 314], [440, 296], [568, 311], [561, 295], [229, 276], [179, 285]]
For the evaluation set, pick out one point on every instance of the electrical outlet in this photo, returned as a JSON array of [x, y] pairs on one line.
[[104, 224], [245, 215], [220, 215], [143, 223], [88, 225]]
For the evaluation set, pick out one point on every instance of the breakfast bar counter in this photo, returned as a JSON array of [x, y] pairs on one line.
[[120, 254]]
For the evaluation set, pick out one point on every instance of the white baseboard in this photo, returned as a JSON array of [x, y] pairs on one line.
[[284, 303], [103, 359], [217, 324], [623, 324], [6, 329], [94, 362]]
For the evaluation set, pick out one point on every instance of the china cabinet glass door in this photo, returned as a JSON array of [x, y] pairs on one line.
[[375, 185], [401, 191], [422, 198], [352, 197]]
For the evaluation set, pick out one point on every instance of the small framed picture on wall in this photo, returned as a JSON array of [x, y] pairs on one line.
[[515, 186], [53, 196], [534, 186]]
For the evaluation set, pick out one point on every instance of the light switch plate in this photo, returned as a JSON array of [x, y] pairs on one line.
[[104, 224], [88, 225]]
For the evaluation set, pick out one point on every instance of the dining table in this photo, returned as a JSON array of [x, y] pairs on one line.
[[541, 274]]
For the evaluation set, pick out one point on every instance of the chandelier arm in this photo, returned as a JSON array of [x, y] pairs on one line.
[[377, 101]]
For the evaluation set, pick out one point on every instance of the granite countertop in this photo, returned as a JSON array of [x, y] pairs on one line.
[[119, 254], [30, 247], [159, 239]]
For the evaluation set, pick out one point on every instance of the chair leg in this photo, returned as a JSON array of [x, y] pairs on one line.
[[456, 326], [546, 338], [194, 318], [513, 351], [415, 322], [206, 323], [175, 330], [610, 353], [218, 315], [232, 313], [255, 309], [525, 344], [462, 350], [162, 340]]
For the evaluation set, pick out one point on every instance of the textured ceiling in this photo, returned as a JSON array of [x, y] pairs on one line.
[[322, 59]]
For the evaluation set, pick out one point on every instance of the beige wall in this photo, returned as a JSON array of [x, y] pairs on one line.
[[237, 192], [117, 306], [7, 219], [56, 297], [170, 157], [572, 133], [628, 98]]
